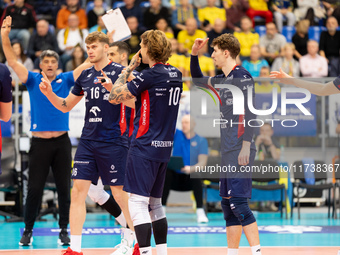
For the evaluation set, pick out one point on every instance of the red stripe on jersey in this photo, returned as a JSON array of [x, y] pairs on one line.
[[122, 121], [132, 117], [235, 66], [144, 119], [240, 130]]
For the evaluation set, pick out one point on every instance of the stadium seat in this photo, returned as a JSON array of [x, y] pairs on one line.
[[118, 4], [314, 32], [261, 30], [288, 32]]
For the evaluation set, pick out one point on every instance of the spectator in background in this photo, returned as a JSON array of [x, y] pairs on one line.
[[246, 37], [72, 7], [283, 8], [259, 8], [21, 58], [187, 37], [48, 9], [194, 151], [271, 43], [255, 63], [181, 13], [42, 39], [132, 9], [162, 25], [300, 38], [208, 14], [5, 97], [235, 10], [78, 57], [92, 15], [287, 62], [312, 64], [332, 8], [100, 27], [268, 85], [69, 37], [309, 9], [329, 46], [134, 40], [217, 30], [154, 13], [24, 18], [266, 144]]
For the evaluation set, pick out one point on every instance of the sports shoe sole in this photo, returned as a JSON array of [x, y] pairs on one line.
[[30, 243]]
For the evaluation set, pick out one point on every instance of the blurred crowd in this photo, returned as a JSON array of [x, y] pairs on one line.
[[299, 36]]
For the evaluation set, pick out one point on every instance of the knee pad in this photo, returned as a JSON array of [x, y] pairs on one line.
[[98, 194], [229, 217], [156, 209], [139, 209], [240, 208]]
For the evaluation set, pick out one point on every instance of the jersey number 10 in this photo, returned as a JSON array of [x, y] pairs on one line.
[[174, 96]]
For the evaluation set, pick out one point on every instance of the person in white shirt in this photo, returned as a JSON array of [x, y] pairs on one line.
[[312, 64]]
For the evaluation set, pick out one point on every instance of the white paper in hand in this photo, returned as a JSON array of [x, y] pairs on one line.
[[114, 20]]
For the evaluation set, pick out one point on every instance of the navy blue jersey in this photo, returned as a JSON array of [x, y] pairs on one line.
[[5, 92], [336, 82], [103, 121], [158, 91], [234, 132]]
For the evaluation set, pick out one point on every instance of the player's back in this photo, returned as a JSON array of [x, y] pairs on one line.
[[158, 91]]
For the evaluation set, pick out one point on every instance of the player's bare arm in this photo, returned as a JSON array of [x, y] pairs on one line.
[[319, 89], [11, 58], [62, 104], [120, 92]]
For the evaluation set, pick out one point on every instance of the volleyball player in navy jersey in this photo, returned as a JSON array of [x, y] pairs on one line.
[[103, 144], [157, 91], [237, 144], [5, 98]]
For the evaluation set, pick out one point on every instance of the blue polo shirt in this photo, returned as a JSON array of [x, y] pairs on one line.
[[44, 116], [189, 149]]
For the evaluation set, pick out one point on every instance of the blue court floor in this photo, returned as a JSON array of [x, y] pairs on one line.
[[100, 231]]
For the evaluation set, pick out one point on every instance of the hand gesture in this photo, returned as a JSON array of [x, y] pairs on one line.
[[131, 76], [6, 26], [280, 75], [135, 61], [45, 85], [198, 44], [105, 81]]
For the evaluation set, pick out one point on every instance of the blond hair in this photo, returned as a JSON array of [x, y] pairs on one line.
[[158, 45], [97, 37]]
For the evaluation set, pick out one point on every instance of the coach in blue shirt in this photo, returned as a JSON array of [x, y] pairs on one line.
[[194, 151]]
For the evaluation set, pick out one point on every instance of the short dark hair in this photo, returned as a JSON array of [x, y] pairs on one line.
[[123, 47], [227, 42], [48, 53]]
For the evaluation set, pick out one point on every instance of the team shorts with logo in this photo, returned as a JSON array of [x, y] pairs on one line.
[[144, 177], [236, 183], [99, 159]]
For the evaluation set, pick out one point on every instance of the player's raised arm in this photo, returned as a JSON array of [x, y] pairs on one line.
[[82, 67], [197, 76], [11, 58], [120, 92], [319, 89], [62, 104]]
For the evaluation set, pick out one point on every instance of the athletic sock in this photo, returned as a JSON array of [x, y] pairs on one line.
[[113, 208], [145, 250], [160, 230], [162, 249], [256, 250], [143, 234], [76, 243], [232, 251]]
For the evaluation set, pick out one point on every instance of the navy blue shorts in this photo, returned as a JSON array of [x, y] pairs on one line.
[[99, 159], [144, 177], [235, 183]]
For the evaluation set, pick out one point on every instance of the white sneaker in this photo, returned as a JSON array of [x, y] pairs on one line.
[[123, 248], [201, 217]]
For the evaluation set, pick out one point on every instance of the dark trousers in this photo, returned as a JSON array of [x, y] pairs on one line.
[[54, 153], [182, 182]]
